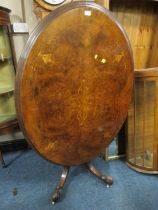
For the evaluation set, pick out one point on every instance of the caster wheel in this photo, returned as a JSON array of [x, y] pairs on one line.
[[55, 196], [109, 180]]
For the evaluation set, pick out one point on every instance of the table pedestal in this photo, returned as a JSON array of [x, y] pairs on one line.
[[56, 195]]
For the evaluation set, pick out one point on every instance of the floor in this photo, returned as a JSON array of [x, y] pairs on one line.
[[28, 181]]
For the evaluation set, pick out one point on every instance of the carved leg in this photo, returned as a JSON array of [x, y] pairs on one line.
[[107, 179], [1, 159], [57, 192]]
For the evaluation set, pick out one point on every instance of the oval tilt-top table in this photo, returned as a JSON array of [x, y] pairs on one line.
[[74, 85]]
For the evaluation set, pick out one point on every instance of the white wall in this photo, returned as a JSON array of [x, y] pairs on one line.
[[19, 15]]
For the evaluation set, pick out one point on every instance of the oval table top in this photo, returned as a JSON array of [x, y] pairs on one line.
[[74, 83]]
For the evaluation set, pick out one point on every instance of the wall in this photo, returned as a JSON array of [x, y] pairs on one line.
[[22, 11]]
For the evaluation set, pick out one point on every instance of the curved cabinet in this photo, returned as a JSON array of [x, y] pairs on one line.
[[142, 126], [139, 19]]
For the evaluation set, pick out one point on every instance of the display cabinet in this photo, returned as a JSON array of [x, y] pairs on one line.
[[139, 19], [7, 75], [142, 123], [7, 72]]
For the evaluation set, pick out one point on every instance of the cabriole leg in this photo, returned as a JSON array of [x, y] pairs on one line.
[[57, 192], [107, 179]]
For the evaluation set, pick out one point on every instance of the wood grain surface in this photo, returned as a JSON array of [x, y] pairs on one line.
[[74, 83], [140, 20]]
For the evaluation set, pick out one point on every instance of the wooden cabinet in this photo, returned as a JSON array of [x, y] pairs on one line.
[[7, 73], [139, 19], [7, 78], [142, 123]]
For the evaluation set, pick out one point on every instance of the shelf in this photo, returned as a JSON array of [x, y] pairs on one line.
[[4, 125], [6, 90], [7, 118]]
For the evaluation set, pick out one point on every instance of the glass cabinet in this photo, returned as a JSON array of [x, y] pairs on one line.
[[7, 73], [8, 120], [142, 127]]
